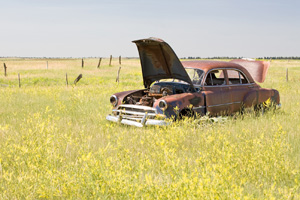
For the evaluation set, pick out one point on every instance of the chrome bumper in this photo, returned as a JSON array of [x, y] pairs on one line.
[[278, 106], [136, 115], [145, 122]]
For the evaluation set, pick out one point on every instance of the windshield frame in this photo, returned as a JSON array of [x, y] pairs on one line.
[[198, 80]]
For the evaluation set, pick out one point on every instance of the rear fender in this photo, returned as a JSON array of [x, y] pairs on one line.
[[265, 94], [275, 97], [251, 99], [260, 96]]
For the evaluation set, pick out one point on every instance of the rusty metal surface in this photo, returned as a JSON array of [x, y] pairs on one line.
[[210, 65], [207, 64], [257, 69], [159, 61], [122, 95], [177, 103]]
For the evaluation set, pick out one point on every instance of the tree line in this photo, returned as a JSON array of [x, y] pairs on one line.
[[261, 58]]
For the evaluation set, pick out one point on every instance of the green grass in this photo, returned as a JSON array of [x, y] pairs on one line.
[[56, 143]]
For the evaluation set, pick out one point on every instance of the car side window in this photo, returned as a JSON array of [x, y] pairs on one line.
[[215, 77], [236, 77]]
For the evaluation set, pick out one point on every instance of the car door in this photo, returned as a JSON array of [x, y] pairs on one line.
[[217, 92], [239, 86]]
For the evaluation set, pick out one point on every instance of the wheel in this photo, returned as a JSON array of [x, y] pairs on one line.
[[242, 108], [260, 109], [186, 113]]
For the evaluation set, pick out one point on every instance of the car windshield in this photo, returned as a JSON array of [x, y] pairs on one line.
[[195, 75]]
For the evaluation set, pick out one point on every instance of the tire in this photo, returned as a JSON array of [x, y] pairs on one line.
[[186, 113], [259, 109], [242, 109]]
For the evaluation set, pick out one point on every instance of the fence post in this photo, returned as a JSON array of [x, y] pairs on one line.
[[287, 75], [19, 80], [120, 60], [99, 62], [110, 60], [5, 68], [77, 79], [47, 64], [117, 79], [67, 82], [82, 63]]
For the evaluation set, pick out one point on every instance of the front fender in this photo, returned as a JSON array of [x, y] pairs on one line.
[[122, 95], [178, 102]]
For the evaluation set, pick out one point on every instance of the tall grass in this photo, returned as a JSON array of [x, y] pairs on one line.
[[56, 143]]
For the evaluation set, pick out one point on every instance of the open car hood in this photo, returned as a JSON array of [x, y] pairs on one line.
[[159, 61], [257, 69]]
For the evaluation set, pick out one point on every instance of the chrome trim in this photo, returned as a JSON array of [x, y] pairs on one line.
[[131, 123], [150, 122], [278, 106], [216, 85], [224, 104], [199, 107], [143, 121], [147, 122], [116, 98], [136, 115], [133, 112], [206, 74], [137, 107], [247, 84], [166, 105], [217, 105]]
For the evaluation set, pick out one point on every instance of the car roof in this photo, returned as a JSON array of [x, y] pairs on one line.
[[207, 65]]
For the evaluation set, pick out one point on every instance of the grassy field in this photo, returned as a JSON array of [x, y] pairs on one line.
[[55, 142]]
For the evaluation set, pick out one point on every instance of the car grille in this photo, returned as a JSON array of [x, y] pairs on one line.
[[135, 112]]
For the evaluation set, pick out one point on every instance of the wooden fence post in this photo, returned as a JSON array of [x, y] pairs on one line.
[[287, 75], [77, 79], [82, 63], [5, 68], [19, 80], [120, 60], [67, 82], [110, 60], [99, 62], [47, 64], [117, 79]]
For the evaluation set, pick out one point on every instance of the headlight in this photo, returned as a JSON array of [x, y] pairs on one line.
[[113, 100], [163, 104]]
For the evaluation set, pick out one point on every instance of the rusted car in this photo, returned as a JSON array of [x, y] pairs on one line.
[[173, 89]]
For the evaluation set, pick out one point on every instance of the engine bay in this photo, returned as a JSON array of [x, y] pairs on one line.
[[147, 97]]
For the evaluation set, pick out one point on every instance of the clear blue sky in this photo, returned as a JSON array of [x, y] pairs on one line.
[[83, 28]]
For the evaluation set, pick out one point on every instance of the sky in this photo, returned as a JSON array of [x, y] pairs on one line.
[[99, 28]]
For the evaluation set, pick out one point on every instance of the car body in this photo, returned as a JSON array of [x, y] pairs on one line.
[[174, 88]]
